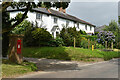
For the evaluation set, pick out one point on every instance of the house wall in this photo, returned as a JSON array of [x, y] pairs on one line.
[[88, 29], [48, 21]]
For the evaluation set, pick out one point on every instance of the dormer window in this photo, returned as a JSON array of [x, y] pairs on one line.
[[38, 16], [86, 27], [55, 20]]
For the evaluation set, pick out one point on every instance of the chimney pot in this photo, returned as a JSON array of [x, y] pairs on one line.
[[62, 10]]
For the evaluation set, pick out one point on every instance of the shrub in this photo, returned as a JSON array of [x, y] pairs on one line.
[[83, 32], [58, 42], [68, 36], [111, 54], [41, 37], [106, 36], [84, 43], [20, 29], [99, 46], [92, 38]]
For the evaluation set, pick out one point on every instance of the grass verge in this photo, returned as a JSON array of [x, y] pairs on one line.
[[68, 53], [10, 69]]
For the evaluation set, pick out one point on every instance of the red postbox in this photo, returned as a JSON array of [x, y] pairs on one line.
[[18, 46]]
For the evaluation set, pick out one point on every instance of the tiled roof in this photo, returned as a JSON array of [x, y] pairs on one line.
[[58, 14], [98, 29]]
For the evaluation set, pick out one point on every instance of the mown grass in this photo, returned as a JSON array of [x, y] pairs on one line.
[[10, 69], [68, 53]]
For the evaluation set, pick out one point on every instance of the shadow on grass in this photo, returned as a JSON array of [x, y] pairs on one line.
[[50, 54], [47, 52], [53, 65]]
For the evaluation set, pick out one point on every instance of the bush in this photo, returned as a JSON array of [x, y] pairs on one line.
[[41, 37], [99, 46], [68, 36], [111, 54], [83, 32], [20, 29], [58, 42], [105, 36], [92, 38], [84, 43]]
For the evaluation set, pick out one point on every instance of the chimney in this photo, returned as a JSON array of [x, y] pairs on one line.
[[49, 11], [62, 10]]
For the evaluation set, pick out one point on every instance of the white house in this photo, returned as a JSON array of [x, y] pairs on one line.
[[54, 20]]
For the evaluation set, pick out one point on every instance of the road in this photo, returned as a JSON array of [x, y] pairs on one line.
[[107, 69]]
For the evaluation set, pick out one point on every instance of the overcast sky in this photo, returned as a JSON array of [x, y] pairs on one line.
[[97, 13]]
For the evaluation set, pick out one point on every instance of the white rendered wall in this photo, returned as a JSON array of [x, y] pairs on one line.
[[48, 21]]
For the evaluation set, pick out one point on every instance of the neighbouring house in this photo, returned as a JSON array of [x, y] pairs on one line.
[[98, 29], [54, 20]]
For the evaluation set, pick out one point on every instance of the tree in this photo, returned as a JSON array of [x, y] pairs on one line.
[[115, 29], [28, 7], [9, 24]]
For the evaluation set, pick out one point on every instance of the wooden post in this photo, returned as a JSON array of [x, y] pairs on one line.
[[88, 43], [74, 42], [106, 44], [13, 54], [112, 45], [95, 44]]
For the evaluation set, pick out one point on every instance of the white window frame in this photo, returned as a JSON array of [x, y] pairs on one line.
[[90, 28], [78, 25], [55, 20], [86, 27], [67, 22], [39, 16]]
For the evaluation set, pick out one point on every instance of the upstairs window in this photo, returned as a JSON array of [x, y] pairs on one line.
[[38, 16], [67, 23], [78, 25], [55, 20], [90, 28], [86, 27]]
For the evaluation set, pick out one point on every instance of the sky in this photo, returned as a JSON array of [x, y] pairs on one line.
[[98, 13]]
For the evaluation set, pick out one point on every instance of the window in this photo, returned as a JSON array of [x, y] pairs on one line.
[[55, 20], [78, 25], [90, 28], [53, 34], [86, 27], [38, 16], [67, 23]]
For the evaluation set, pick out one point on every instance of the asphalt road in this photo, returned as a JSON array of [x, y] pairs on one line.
[[108, 69]]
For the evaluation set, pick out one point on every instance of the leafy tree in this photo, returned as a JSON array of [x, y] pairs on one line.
[[68, 36], [105, 36], [29, 6], [9, 24], [115, 29], [41, 37]]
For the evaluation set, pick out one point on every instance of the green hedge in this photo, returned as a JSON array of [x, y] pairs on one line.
[[93, 38]]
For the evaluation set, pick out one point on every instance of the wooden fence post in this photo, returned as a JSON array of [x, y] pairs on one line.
[[74, 42], [106, 44], [95, 44], [112, 45], [88, 43]]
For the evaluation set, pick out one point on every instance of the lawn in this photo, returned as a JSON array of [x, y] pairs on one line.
[[10, 69], [68, 53]]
